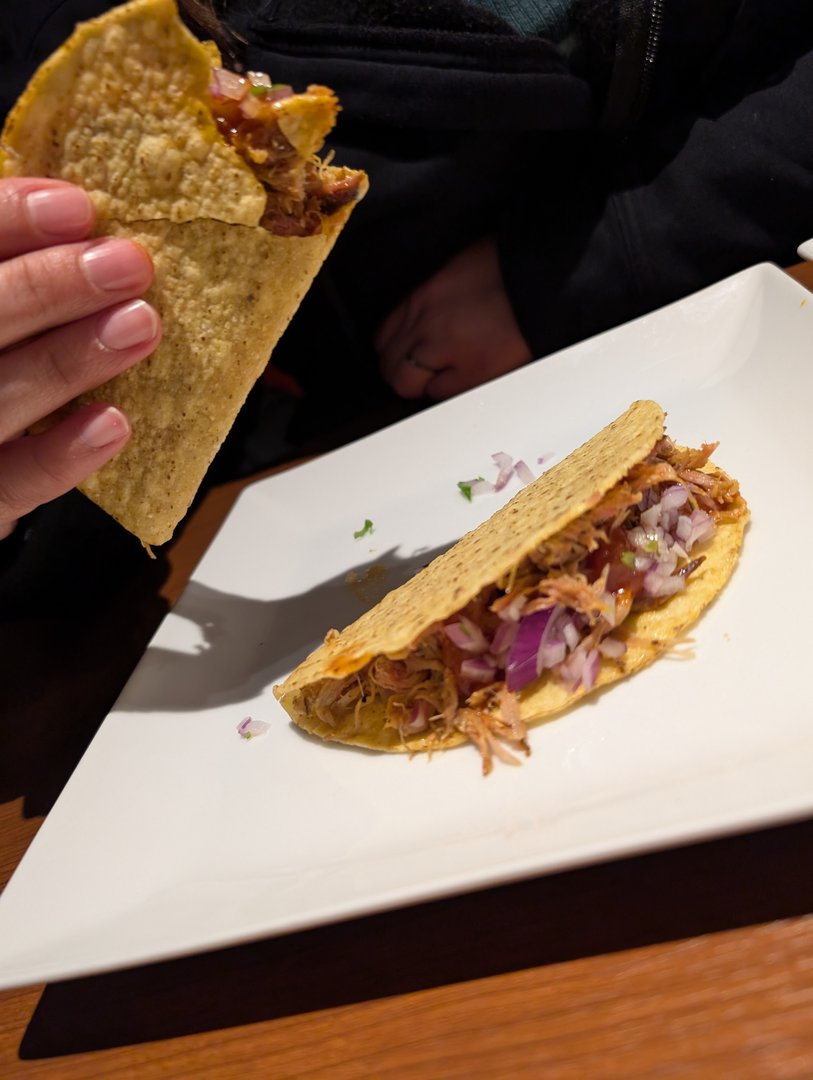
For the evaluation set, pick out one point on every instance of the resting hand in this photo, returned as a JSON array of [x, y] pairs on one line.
[[454, 332], [69, 321]]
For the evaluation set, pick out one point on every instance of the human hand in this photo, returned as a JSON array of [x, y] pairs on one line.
[[455, 331], [69, 321]]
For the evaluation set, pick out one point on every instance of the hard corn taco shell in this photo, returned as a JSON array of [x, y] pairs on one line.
[[488, 553], [120, 109]]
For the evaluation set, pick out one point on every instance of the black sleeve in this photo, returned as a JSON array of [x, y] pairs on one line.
[[676, 206]]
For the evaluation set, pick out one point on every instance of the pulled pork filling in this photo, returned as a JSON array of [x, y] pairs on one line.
[[300, 192], [558, 611]]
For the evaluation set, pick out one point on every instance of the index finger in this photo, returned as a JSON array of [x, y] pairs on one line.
[[37, 213]]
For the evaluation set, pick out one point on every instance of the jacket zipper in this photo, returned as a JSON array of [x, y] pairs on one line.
[[653, 40], [640, 32]]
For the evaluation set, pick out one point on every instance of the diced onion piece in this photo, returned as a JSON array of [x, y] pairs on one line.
[[466, 635], [478, 669], [674, 497], [521, 664], [549, 654], [251, 106], [523, 472], [226, 84], [505, 463], [590, 670], [570, 634], [418, 719], [250, 729], [504, 638], [612, 648], [659, 584], [581, 669], [512, 612]]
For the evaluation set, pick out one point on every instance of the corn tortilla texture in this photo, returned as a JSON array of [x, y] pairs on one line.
[[218, 334], [119, 110]]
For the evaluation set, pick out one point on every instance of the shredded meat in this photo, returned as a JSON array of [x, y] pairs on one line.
[[300, 192]]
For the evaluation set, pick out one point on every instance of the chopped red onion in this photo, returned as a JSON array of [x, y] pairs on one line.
[[419, 718], [250, 729], [478, 669], [523, 472], [570, 634], [520, 667], [581, 668], [513, 612], [504, 638], [505, 464], [225, 84], [591, 668], [674, 497], [549, 654], [466, 635], [612, 648], [251, 106], [482, 487], [660, 584]]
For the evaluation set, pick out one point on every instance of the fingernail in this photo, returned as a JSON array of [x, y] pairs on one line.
[[129, 325], [104, 428], [117, 264], [60, 212]]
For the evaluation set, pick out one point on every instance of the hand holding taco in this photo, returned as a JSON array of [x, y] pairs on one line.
[[216, 176], [70, 317]]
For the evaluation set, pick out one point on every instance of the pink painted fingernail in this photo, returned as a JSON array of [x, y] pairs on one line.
[[104, 428], [129, 325], [60, 212], [117, 264]]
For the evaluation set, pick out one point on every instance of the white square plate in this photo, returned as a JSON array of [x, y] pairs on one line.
[[175, 835]]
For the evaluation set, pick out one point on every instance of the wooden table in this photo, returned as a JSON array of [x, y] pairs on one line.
[[696, 962]]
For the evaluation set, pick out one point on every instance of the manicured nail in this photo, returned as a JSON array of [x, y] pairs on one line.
[[128, 325], [104, 428], [117, 264], [60, 212]]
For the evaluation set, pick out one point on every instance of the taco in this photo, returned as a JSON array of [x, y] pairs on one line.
[[585, 576], [217, 175]]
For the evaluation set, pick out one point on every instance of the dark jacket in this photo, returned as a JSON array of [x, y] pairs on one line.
[[675, 148]]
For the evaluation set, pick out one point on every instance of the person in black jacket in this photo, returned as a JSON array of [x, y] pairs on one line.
[[540, 170], [528, 190]]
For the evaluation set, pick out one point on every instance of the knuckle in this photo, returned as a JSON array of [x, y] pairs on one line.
[[13, 504], [58, 372], [43, 279]]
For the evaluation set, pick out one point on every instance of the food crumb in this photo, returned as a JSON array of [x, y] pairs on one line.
[[250, 729]]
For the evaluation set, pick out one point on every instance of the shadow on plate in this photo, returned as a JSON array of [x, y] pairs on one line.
[[247, 645]]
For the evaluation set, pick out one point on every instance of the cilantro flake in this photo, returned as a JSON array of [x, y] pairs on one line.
[[465, 487], [366, 528]]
